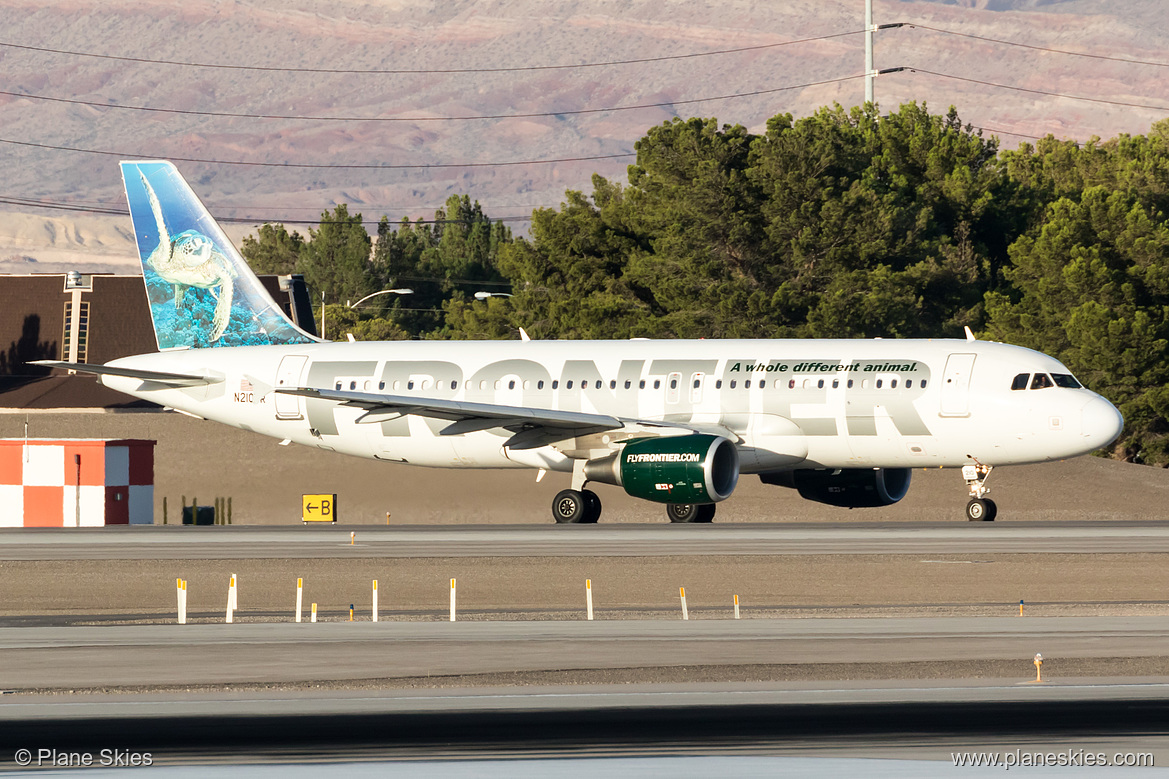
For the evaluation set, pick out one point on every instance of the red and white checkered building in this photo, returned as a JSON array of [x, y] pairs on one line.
[[80, 482]]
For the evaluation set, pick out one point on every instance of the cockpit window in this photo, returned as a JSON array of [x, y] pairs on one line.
[[1065, 380], [1020, 382], [1041, 381]]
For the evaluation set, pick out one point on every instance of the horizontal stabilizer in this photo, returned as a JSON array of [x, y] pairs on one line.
[[156, 377]]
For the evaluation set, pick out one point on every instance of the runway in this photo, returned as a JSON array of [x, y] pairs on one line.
[[645, 722], [925, 612], [884, 538], [285, 653]]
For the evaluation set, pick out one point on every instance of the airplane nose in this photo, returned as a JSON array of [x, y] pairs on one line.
[[1102, 422]]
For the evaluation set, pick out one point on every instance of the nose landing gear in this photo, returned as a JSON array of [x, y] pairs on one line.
[[980, 508]]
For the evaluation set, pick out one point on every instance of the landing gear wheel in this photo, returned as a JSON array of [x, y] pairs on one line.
[[981, 510], [690, 513], [592, 507], [569, 507]]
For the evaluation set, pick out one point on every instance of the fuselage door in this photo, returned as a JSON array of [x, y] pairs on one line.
[[288, 375], [956, 386]]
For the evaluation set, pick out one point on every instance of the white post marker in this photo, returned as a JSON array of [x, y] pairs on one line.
[[184, 601], [375, 600], [452, 600], [299, 598], [313, 617], [179, 597], [736, 607], [234, 592], [682, 592], [231, 600], [589, 596]]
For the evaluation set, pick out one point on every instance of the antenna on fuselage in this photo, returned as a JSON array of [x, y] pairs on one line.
[[969, 334]]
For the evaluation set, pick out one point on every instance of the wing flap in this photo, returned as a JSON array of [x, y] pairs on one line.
[[456, 411]]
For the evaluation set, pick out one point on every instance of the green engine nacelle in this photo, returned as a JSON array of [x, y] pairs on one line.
[[677, 469]]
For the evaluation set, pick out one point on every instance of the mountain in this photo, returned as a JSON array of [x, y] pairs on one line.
[[408, 119]]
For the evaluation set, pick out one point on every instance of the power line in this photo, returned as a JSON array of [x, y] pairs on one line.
[[135, 155], [400, 71], [1036, 48], [533, 115], [113, 211], [1038, 91]]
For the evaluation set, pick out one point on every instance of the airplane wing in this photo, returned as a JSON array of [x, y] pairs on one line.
[[533, 427], [155, 377]]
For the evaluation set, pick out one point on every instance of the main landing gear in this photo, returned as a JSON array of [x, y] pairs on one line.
[[576, 507], [583, 507], [691, 513], [979, 509]]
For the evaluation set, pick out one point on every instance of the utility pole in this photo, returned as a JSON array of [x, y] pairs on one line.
[[870, 74]]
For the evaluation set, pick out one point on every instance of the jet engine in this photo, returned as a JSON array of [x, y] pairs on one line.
[[677, 469], [848, 487]]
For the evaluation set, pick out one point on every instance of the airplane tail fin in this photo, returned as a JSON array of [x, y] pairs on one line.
[[201, 291]]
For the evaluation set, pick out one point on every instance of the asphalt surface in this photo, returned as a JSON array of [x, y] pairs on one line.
[[886, 538], [295, 654]]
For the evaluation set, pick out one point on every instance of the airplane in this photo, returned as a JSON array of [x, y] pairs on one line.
[[674, 422]]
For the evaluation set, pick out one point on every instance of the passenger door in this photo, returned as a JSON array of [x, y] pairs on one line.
[[956, 386], [287, 376]]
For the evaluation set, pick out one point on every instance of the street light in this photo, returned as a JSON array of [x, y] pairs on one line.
[[383, 292], [484, 295]]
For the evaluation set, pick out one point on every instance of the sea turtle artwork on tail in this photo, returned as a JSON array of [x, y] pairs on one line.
[[191, 259]]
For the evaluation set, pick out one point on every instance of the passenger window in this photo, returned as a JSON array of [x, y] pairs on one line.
[[352, 385], [673, 384], [628, 384], [657, 383], [1041, 381], [835, 383], [697, 383], [540, 385], [909, 384], [879, 383], [568, 385], [641, 384], [426, 384], [734, 383], [762, 383], [454, 385], [850, 383], [922, 384], [511, 384], [1020, 381], [747, 384], [893, 384], [613, 384], [555, 383], [381, 385], [791, 384], [338, 385], [820, 384], [718, 384], [410, 385]]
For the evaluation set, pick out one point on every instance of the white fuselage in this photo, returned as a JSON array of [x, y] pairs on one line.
[[787, 404]]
